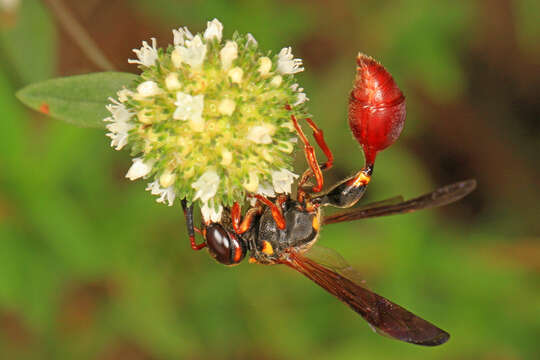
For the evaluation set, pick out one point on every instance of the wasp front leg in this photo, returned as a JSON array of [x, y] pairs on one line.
[[346, 193], [242, 225], [188, 213]]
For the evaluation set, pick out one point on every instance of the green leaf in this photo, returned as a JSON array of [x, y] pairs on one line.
[[79, 100]]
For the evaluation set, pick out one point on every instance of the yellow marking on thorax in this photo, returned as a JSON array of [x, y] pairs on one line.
[[267, 248], [316, 223]]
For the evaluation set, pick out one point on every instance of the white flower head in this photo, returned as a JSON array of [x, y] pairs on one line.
[[206, 186], [147, 55], [228, 54], [180, 35], [165, 195], [119, 124], [282, 180], [287, 64], [139, 168], [210, 213], [261, 134], [214, 29], [192, 53], [212, 112]]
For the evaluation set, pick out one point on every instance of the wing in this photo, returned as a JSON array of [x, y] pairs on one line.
[[384, 316], [442, 196], [332, 260]]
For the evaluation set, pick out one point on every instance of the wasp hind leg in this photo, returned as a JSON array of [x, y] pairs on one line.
[[346, 193]]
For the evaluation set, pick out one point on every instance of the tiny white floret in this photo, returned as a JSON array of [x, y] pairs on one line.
[[302, 98], [236, 75], [167, 179], [228, 54], [261, 134], [226, 157], [265, 65], [124, 95], [251, 41], [171, 82], [192, 53], [147, 55], [209, 213], [188, 107], [165, 194], [286, 62], [266, 189], [206, 186], [119, 124], [226, 107], [214, 29], [276, 81], [180, 35], [148, 88], [252, 184], [139, 168], [282, 180]]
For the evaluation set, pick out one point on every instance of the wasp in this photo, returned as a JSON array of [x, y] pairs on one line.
[[282, 230]]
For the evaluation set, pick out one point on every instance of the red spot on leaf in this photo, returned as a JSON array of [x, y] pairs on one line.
[[44, 108]]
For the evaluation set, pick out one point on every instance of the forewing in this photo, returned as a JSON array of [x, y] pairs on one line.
[[332, 260], [386, 317], [442, 196]]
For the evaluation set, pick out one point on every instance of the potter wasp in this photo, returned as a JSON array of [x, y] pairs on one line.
[[283, 229]]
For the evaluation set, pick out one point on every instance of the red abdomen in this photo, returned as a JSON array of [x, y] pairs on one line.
[[376, 108]]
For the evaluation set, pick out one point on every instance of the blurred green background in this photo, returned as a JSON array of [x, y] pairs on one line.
[[91, 267]]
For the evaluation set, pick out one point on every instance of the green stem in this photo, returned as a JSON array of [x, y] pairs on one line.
[[79, 35]]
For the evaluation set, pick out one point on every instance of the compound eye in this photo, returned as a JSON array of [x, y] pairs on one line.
[[224, 246]]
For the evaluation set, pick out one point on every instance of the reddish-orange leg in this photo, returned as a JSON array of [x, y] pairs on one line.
[[319, 137], [244, 225], [310, 157], [275, 209], [188, 213]]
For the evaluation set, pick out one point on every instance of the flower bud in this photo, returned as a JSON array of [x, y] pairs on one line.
[[376, 108]]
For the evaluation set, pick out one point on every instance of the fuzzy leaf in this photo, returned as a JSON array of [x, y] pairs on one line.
[[79, 100]]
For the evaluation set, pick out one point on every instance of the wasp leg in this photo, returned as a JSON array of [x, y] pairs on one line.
[[276, 211], [311, 159], [346, 193], [188, 213], [319, 137], [241, 226]]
